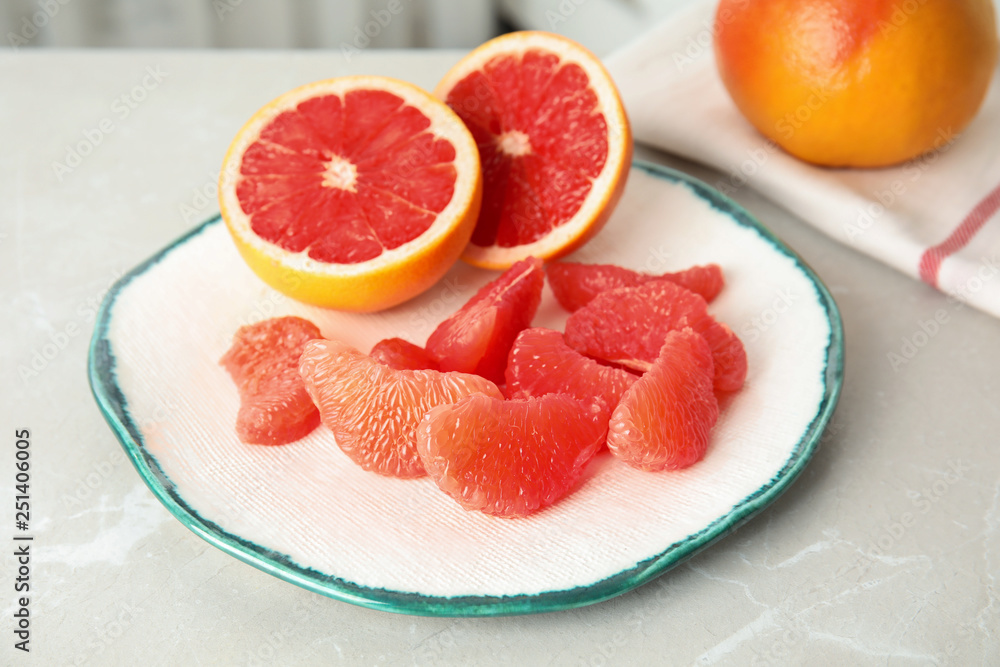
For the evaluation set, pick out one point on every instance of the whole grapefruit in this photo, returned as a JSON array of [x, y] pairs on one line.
[[857, 83]]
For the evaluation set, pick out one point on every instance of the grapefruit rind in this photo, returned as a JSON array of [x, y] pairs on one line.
[[605, 190], [394, 276]]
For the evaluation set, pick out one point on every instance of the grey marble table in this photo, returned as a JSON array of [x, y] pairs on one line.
[[886, 551]]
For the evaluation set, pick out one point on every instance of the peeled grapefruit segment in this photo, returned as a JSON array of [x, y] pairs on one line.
[[542, 363], [631, 323], [354, 193], [509, 458], [665, 419], [402, 355], [373, 410], [477, 338], [574, 284], [264, 363], [554, 143]]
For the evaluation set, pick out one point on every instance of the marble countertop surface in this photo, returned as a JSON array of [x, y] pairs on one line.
[[886, 551]]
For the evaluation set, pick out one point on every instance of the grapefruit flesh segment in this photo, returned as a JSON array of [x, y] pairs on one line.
[[554, 144], [478, 337], [402, 355], [373, 410], [509, 458], [574, 284], [664, 420], [542, 363], [631, 323], [328, 177], [263, 362]]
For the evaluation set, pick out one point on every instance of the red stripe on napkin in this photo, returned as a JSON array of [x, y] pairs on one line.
[[930, 261]]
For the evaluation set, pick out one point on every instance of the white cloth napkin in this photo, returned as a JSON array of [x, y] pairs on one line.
[[935, 218]]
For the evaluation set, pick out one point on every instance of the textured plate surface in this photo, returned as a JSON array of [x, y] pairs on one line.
[[305, 513]]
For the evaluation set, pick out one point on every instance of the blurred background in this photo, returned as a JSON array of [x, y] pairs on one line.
[[602, 25]]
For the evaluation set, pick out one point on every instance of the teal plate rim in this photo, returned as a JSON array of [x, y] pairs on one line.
[[114, 407]]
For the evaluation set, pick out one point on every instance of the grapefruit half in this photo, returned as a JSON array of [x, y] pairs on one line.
[[354, 193], [554, 143]]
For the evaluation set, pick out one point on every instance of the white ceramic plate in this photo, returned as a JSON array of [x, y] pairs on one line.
[[304, 512]]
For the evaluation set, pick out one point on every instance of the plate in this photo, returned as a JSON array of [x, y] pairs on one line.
[[305, 513]]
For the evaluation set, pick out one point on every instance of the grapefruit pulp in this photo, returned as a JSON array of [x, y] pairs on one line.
[[542, 363], [664, 420], [477, 338], [264, 363], [402, 355], [574, 284], [373, 410], [631, 324], [509, 457]]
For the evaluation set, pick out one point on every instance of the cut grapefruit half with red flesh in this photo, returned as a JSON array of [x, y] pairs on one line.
[[631, 323], [664, 420], [402, 355], [373, 410], [574, 284], [542, 363], [355, 193], [264, 363], [509, 458], [477, 338], [554, 143]]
